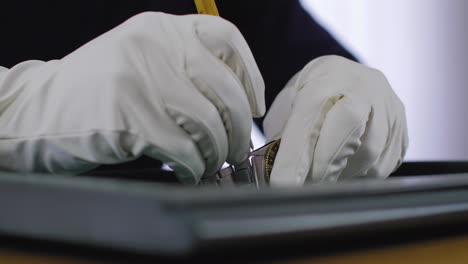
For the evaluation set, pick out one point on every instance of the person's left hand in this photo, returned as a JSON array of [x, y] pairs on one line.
[[337, 120]]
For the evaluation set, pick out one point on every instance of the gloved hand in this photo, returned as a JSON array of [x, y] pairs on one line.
[[180, 89], [337, 120]]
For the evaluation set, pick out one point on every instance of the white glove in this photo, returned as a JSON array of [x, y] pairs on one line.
[[337, 120], [180, 89]]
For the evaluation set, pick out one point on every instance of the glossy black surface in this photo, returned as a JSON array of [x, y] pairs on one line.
[[147, 218]]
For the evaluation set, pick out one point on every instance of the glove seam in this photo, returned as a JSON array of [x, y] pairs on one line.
[[243, 65], [321, 119], [174, 111], [341, 146]]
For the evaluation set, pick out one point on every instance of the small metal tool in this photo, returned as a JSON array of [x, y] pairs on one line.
[[254, 172]]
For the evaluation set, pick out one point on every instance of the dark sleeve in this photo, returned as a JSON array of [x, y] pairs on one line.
[[282, 35], [283, 38]]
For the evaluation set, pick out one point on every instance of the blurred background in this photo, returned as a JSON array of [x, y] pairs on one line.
[[422, 47]]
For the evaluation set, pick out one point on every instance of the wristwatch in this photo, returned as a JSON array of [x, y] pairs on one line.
[[254, 172]]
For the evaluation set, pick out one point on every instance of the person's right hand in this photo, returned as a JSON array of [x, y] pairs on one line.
[[180, 89]]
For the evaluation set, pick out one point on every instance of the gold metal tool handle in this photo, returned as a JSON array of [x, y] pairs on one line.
[[207, 7]]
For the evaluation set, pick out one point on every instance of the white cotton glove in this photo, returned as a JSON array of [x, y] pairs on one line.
[[337, 120], [180, 89]]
